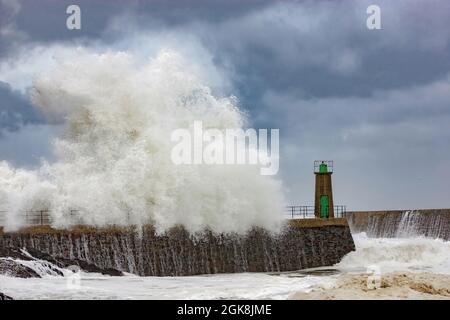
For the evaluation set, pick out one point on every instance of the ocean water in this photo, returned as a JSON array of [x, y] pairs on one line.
[[414, 254], [398, 254]]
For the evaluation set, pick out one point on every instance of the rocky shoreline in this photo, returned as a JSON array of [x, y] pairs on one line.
[[31, 263], [17, 262]]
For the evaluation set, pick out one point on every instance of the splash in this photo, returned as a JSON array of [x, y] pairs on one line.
[[398, 254], [113, 162]]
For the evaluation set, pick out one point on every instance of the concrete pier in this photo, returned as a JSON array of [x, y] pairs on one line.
[[304, 243]]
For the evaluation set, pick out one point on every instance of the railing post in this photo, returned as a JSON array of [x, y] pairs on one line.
[[305, 211]]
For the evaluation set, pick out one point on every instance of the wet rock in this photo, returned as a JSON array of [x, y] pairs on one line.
[[5, 297], [12, 268], [89, 267], [64, 263], [9, 265], [14, 253]]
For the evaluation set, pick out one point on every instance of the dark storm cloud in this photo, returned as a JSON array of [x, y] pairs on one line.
[[313, 49], [390, 149], [368, 99], [324, 49], [9, 36], [29, 145], [308, 48], [45, 20], [15, 110]]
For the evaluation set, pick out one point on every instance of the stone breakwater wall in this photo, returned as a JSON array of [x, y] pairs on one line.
[[303, 244], [432, 223]]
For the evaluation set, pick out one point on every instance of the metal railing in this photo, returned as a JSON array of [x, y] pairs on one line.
[[299, 212], [329, 164], [43, 217], [35, 217], [308, 212]]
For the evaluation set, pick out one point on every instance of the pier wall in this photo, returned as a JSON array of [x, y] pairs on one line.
[[433, 223], [303, 244]]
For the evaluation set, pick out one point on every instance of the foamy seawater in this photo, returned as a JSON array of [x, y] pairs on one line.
[[398, 254], [224, 286]]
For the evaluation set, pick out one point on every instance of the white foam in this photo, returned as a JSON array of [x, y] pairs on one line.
[[223, 286], [398, 254], [113, 160]]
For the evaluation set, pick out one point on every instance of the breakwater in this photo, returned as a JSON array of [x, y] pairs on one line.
[[303, 244], [432, 223]]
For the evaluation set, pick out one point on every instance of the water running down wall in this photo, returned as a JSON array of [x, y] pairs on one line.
[[432, 223], [179, 253]]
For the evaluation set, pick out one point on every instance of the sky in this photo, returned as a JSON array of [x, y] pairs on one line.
[[377, 102]]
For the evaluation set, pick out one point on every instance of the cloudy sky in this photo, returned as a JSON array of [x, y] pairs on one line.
[[377, 102]]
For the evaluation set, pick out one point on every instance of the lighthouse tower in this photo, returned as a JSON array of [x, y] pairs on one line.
[[323, 206]]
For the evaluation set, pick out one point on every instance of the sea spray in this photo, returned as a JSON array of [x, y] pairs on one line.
[[113, 163], [398, 254]]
